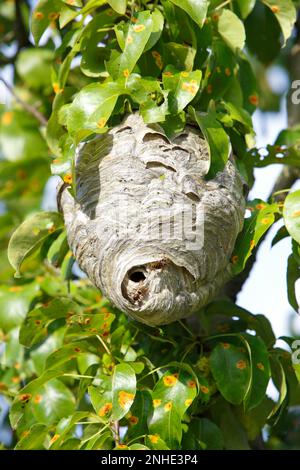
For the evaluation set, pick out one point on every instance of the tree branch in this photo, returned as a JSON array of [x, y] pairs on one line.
[[28, 107]]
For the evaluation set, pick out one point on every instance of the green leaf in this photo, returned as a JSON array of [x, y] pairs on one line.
[[183, 87], [231, 29], [235, 116], [180, 56], [263, 33], [278, 374], [260, 371], [45, 12], [245, 7], [248, 84], [261, 218], [138, 447], [231, 371], [154, 442], [33, 439], [291, 214], [66, 354], [151, 112], [85, 325], [236, 439], [30, 235], [254, 421], [123, 390], [94, 56], [118, 5], [157, 29], [51, 402], [293, 274], [91, 109], [172, 396], [136, 39], [141, 89], [286, 14], [101, 401], [22, 404], [139, 414], [74, 3], [165, 424], [58, 250], [34, 67], [66, 427], [289, 136], [203, 434], [14, 304], [37, 322], [280, 235], [40, 353], [196, 9], [217, 139]]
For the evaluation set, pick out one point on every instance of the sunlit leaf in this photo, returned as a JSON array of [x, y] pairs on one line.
[[285, 12], [29, 236], [231, 29], [291, 214], [196, 9], [123, 390]]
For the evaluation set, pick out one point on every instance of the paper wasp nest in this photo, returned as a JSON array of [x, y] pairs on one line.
[[146, 227]]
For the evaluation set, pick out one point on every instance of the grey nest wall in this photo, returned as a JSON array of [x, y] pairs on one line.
[[149, 231]]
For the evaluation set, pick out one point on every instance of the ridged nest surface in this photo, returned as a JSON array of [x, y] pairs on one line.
[[146, 227]]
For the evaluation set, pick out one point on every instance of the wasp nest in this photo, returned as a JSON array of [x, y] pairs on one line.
[[146, 227]]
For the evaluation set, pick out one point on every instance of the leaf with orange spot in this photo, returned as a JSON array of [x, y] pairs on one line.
[[286, 15], [260, 370], [174, 392], [123, 390], [93, 104], [155, 442], [42, 17], [182, 89], [231, 370], [45, 385], [34, 439], [261, 218], [35, 327], [85, 325], [140, 32]]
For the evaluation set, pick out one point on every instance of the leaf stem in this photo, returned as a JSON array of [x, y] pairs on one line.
[[95, 435], [78, 376], [104, 345], [186, 328], [223, 4]]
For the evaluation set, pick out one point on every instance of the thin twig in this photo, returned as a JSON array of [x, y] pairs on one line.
[[116, 431], [28, 107], [104, 345]]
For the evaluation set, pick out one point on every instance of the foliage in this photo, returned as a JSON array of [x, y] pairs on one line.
[[76, 373]]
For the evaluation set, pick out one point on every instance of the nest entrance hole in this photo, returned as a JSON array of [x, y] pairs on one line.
[[137, 276]]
